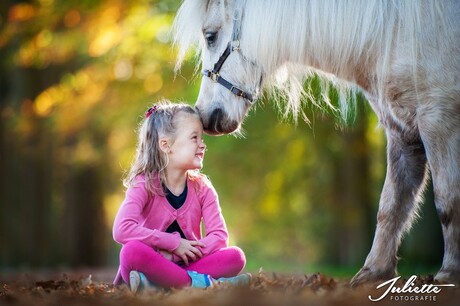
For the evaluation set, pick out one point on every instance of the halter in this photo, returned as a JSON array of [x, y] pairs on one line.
[[233, 45]]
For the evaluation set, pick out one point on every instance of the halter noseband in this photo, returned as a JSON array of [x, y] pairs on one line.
[[232, 46]]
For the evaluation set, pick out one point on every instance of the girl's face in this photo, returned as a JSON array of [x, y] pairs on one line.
[[187, 149]]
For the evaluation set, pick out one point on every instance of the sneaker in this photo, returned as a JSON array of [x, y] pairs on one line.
[[240, 280], [137, 281], [200, 280]]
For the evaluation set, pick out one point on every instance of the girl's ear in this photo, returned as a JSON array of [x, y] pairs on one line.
[[164, 145]]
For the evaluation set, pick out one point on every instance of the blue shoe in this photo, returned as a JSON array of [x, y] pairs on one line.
[[239, 280], [138, 281], [200, 280]]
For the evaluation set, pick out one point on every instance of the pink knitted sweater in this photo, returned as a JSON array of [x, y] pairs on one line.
[[145, 218]]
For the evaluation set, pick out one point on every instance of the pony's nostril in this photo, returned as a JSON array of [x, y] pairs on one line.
[[219, 123], [215, 120]]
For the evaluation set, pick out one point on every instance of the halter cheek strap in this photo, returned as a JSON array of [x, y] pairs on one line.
[[215, 76], [232, 46]]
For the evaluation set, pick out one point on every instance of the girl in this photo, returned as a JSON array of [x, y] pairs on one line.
[[159, 221]]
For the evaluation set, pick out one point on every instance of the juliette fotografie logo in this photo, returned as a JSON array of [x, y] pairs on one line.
[[409, 292]]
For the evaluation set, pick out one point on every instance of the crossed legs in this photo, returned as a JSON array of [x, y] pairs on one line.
[[138, 256]]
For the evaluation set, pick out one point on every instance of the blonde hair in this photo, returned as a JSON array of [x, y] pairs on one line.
[[150, 160]]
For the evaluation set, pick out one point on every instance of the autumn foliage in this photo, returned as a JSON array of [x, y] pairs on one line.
[[265, 289]]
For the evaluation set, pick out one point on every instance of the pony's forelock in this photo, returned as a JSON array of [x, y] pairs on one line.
[[186, 29]]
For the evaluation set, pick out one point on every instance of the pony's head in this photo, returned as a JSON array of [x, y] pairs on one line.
[[231, 79]]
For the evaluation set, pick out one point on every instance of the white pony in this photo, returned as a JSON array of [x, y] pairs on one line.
[[403, 55]]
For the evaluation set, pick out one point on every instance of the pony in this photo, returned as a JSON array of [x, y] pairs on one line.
[[402, 55]]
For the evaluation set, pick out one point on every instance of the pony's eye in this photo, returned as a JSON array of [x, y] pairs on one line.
[[211, 38]]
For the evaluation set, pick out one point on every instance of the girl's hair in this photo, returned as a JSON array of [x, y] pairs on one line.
[[160, 121]]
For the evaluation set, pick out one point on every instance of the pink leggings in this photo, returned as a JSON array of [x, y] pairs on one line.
[[138, 256]]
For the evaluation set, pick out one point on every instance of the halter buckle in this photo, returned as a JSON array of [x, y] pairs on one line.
[[214, 76], [236, 91], [235, 45]]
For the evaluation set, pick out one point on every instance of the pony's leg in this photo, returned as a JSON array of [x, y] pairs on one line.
[[440, 130], [405, 179]]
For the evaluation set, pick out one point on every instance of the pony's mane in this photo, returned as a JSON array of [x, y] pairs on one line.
[[342, 38]]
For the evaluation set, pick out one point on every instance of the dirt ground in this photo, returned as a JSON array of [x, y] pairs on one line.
[[266, 288]]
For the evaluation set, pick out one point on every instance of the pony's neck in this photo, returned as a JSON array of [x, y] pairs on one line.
[[279, 32]]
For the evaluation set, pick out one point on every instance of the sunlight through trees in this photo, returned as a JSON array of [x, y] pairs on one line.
[[77, 76]]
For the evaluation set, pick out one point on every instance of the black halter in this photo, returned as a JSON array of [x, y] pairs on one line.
[[215, 76], [232, 46]]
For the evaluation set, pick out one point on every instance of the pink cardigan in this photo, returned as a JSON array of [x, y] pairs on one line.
[[143, 219]]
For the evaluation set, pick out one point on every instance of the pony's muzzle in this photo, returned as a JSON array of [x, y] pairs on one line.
[[219, 123]]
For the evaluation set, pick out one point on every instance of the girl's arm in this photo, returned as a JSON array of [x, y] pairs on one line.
[[214, 223], [127, 224]]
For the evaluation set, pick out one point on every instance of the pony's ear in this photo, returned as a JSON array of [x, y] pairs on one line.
[[164, 145]]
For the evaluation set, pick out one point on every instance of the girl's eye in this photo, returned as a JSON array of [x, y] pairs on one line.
[[211, 38]]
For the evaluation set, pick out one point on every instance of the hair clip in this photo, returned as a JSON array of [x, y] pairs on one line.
[[151, 110]]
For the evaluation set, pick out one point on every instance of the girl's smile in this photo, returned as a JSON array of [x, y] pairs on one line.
[[187, 148], [200, 155]]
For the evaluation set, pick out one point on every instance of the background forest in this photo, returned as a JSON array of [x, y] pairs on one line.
[[76, 78]]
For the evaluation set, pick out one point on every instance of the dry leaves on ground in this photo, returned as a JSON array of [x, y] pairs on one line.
[[265, 289]]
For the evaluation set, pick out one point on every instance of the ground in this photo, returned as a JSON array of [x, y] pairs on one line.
[[266, 288]]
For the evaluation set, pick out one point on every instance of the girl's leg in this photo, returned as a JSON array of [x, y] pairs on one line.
[[138, 256], [226, 262]]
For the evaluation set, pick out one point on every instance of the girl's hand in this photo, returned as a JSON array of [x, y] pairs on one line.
[[188, 249]]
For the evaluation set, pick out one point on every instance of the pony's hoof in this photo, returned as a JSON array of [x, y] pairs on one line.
[[368, 275]]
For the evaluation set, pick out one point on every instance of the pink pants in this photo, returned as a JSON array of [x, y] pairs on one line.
[[135, 255]]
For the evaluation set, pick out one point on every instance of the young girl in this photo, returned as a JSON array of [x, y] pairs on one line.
[[159, 222]]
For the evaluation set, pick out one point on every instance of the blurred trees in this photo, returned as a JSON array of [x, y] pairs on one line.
[[76, 76], [75, 79]]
